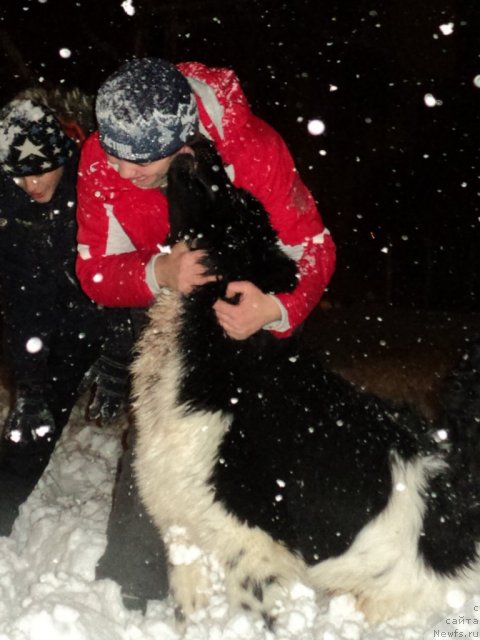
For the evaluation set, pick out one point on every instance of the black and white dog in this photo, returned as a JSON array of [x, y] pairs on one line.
[[253, 452]]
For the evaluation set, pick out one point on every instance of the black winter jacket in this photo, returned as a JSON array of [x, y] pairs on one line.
[[40, 294]]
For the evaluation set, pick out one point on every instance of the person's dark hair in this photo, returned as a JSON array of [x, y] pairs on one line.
[[73, 108]]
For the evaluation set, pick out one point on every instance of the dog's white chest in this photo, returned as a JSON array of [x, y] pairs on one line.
[[176, 450]]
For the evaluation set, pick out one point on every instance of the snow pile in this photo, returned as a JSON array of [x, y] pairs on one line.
[[47, 568]]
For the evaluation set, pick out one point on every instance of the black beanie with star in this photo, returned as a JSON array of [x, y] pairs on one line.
[[32, 140]]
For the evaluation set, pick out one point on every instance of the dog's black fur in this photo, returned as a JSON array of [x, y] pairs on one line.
[[241, 245], [307, 457]]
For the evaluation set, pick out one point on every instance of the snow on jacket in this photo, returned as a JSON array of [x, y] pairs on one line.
[[122, 227]]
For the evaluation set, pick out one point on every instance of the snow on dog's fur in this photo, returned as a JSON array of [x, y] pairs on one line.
[[253, 452]]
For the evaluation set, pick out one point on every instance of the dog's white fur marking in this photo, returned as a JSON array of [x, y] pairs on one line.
[[174, 459], [382, 567]]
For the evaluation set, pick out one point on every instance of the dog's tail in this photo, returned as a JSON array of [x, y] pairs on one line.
[[459, 419]]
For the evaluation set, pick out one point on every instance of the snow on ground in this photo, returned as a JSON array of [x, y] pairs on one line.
[[47, 567]]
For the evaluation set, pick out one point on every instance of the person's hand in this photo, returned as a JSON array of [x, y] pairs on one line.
[[254, 310], [181, 269]]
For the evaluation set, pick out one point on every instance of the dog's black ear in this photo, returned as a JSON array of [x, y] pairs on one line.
[[205, 151], [188, 199], [198, 189], [210, 170]]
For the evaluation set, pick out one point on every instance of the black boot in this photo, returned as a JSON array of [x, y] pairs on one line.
[[30, 419], [27, 442], [110, 379]]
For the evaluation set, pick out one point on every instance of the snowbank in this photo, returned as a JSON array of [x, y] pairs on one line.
[[47, 567]]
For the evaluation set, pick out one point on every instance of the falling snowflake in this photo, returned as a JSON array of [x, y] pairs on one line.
[[456, 598], [128, 7], [65, 53], [34, 345], [316, 127], [447, 29], [441, 435], [431, 101]]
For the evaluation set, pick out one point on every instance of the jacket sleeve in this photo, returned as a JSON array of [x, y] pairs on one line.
[[110, 268], [271, 176]]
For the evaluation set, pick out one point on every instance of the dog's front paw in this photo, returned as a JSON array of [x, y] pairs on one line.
[[190, 585], [378, 609], [258, 585], [190, 588]]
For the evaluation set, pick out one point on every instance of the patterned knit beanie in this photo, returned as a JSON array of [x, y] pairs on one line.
[[145, 111], [32, 140]]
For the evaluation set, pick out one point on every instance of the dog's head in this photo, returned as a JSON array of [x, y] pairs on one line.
[[197, 182], [208, 212]]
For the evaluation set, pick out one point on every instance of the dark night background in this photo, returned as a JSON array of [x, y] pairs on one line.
[[397, 182]]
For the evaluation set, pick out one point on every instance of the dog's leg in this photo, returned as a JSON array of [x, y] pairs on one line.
[[258, 570], [189, 579]]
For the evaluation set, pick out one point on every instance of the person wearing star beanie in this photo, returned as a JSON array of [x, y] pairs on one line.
[[53, 334], [148, 111], [32, 142]]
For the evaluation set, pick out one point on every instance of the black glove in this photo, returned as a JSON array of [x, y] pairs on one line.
[[111, 386], [30, 419]]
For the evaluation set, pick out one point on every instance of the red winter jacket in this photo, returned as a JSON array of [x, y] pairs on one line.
[[121, 226]]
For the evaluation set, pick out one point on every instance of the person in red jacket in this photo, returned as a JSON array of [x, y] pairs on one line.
[[123, 215], [147, 112]]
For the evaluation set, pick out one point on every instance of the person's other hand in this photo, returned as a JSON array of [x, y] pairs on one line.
[[254, 310]]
